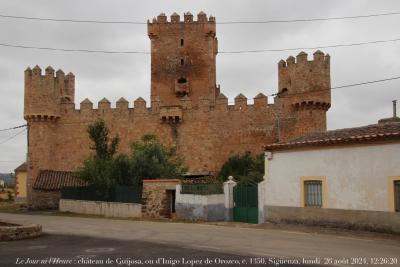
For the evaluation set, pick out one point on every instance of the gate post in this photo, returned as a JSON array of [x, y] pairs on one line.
[[228, 193], [261, 199]]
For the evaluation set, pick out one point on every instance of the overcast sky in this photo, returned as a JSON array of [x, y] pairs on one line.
[[114, 75]]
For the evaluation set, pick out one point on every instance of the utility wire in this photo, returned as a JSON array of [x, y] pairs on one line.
[[12, 137], [221, 52], [13, 128], [337, 87], [309, 48], [222, 22]]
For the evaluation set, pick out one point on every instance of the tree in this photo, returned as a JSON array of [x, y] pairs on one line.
[[151, 160], [105, 168], [244, 168], [98, 133]]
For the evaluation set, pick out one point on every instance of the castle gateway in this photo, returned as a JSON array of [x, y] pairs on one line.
[[187, 109]]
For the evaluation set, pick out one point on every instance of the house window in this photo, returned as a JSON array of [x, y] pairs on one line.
[[313, 194], [182, 42], [182, 62], [397, 196]]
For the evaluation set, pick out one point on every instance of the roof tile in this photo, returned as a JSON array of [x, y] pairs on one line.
[[376, 132], [50, 180]]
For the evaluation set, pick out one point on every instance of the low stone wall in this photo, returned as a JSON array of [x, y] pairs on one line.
[[108, 209], [378, 221], [200, 207], [10, 232]]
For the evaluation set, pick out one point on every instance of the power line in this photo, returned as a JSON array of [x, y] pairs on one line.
[[12, 137], [13, 128], [221, 52], [311, 19], [309, 48], [73, 50], [338, 87], [369, 82], [222, 22]]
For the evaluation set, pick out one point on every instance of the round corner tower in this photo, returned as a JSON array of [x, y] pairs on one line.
[[43, 95], [304, 91]]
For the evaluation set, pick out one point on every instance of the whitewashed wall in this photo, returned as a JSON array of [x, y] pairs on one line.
[[200, 207], [108, 209], [356, 176]]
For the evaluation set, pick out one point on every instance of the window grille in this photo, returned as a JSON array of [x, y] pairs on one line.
[[313, 194]]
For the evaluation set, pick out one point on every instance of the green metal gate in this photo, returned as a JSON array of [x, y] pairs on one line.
[[245, 199]]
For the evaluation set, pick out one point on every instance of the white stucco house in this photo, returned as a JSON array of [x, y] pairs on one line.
[[347, 177]]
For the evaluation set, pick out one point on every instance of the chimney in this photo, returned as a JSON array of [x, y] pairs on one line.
[[391, 119]]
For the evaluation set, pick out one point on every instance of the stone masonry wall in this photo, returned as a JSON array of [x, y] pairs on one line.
[[45, 199], [10, 232], [156, 200]]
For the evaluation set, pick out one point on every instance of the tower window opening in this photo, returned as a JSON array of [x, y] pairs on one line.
[[182, 62], [182, 80], [182, 42], [283, 92]]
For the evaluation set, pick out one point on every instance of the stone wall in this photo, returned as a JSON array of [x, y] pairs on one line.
[[200, 207], [108, 209], [45, 199], [15, 232], [157, 198], [379, 221]]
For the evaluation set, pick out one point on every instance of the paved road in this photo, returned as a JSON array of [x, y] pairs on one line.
[[62, 250], [236, 240]]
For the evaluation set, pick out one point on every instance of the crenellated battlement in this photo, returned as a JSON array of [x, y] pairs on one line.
[[187, 18], [45, 91], [36, 72], [300, 79], [302, 58], [139, 105]]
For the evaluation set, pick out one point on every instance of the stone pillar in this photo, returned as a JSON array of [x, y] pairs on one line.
[[262, 187], [261, 200], [228, 192]]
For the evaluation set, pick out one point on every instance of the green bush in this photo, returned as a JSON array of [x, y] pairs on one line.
[[244, 168], [152, 160], [149, 160]]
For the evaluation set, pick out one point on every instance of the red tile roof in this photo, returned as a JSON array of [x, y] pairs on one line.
[[384, 131], [54, 180]]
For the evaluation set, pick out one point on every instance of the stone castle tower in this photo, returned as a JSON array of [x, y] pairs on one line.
[[183, 55], [187, 109]]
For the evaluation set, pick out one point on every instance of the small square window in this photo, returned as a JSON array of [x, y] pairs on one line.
[[313, 194], [397, 196]]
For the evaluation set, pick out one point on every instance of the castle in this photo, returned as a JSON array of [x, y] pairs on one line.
[[187, 109]]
